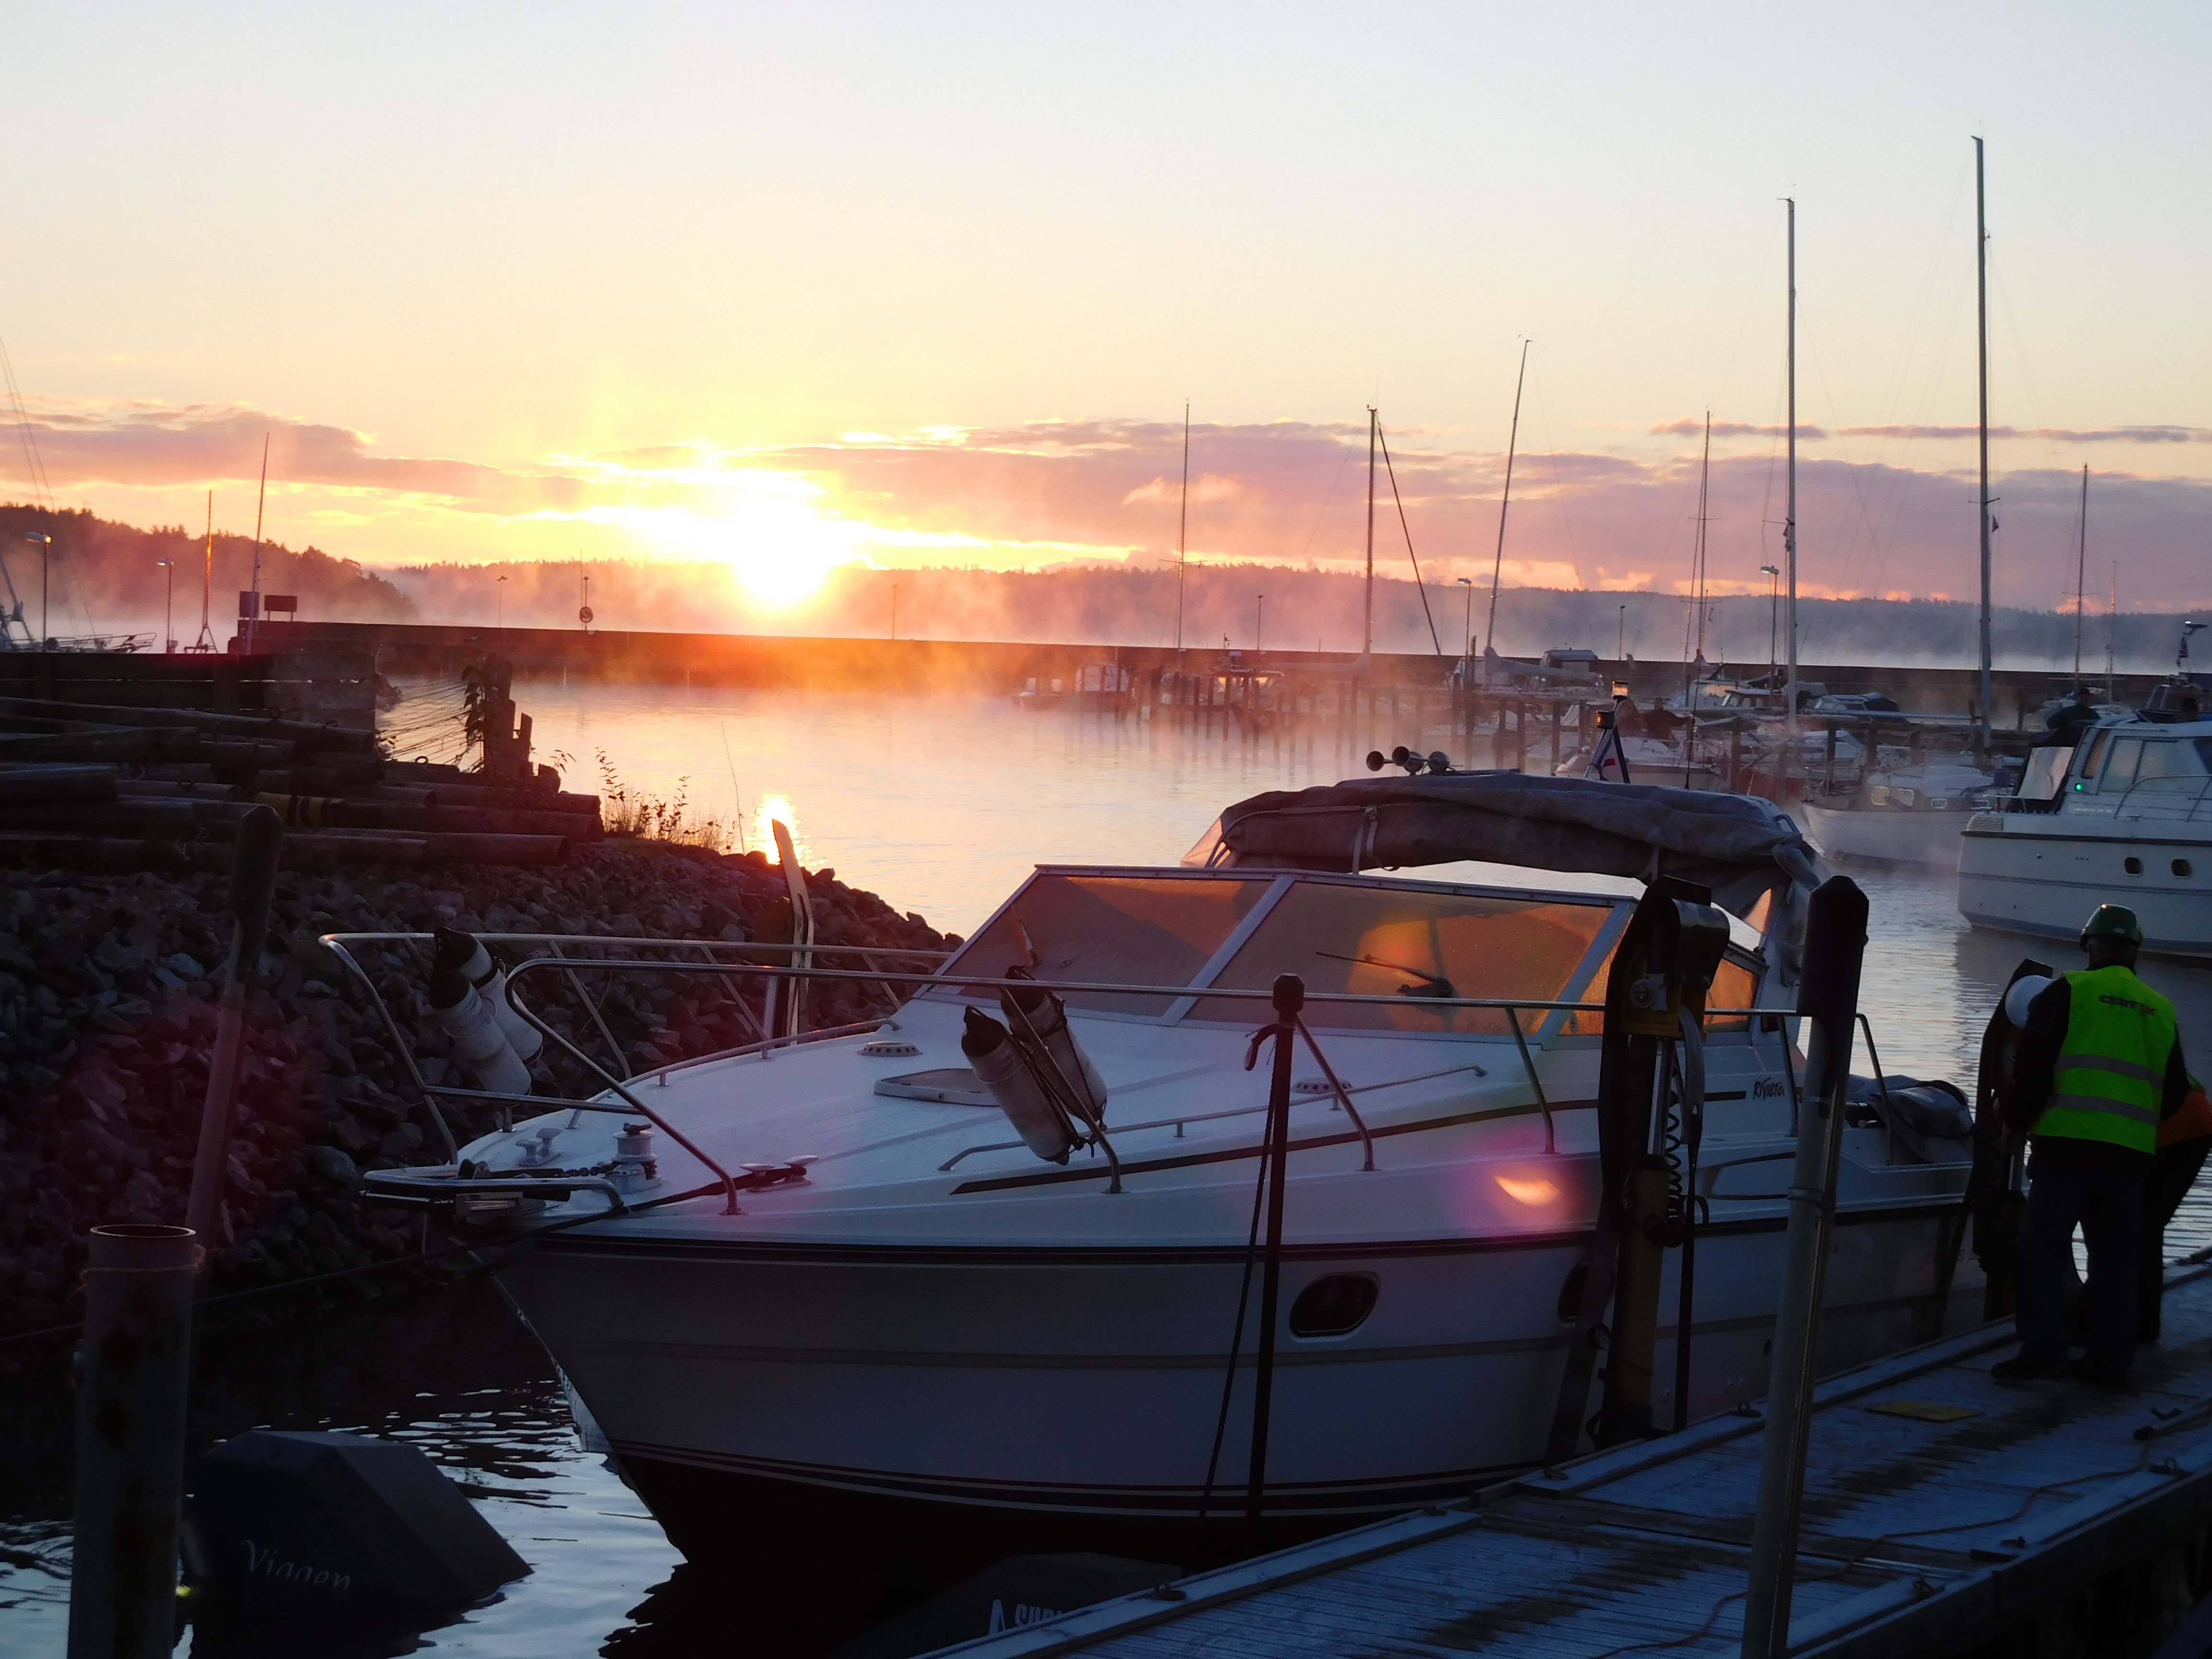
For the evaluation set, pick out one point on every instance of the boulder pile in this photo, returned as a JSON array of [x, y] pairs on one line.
[[107, 1016]]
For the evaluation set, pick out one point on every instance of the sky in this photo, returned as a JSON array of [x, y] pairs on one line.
[[798, 287]]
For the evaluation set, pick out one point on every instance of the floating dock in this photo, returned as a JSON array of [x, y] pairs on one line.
[[1943, 1512]]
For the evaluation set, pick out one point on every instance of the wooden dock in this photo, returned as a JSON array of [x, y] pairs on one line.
[[1944, 1513]]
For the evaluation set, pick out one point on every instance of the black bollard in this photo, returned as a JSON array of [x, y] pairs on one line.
[[1290, 998], [253, 883], [130, 1393]]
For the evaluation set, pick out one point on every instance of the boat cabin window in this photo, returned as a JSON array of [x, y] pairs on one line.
[[1110, 930], [2170, 758], [2120, 768], [2094, 756], [1381, 941]]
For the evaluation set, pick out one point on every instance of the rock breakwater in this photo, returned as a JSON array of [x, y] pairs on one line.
[[107, 1015]]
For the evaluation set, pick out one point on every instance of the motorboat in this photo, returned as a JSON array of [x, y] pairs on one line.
[[839, 1288], [1909, 814], [2122, 817]]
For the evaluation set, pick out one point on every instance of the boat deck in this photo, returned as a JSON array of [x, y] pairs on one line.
[[1940, 1506]]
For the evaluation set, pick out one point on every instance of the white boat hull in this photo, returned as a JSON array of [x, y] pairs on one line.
[[1076, 1390], [1877, 834], [2042, 874]]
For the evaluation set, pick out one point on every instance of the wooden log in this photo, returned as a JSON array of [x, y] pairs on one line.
[[174, 789], [347, 813], [144, 815], [311, 735], [123, 744], [47, 784]]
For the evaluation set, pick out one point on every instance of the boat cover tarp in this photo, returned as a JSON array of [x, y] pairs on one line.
[[1739, 846]]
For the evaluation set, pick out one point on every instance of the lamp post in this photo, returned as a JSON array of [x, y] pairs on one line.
[[1773, 573], [1620, 634], [1466, 624], [499, 603], [46, 553], [169, 604], [1259, 623], [894, 611]]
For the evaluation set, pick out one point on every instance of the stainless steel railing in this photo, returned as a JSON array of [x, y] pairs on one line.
[[698, 957]]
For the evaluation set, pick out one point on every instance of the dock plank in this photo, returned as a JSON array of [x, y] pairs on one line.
[[1914, 1530]]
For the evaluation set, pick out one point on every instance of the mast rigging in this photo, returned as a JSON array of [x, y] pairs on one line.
[[1498, 563]]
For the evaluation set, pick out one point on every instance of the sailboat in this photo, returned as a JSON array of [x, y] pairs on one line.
[[1915, 813]]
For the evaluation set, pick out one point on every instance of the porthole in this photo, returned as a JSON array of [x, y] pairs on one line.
[[2133, 867], [2181, 868], [1335, 1306]]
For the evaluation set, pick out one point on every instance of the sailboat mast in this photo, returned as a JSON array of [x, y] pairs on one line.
[[259, 501], [1789, 512], [2112, 633], [1182, 524], [206, 641], [1367, 629], [2081, 573], [1704, 473], [1512, 443], [1982, 312]]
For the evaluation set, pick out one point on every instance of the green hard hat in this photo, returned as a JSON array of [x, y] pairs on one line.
[[2112, 921]]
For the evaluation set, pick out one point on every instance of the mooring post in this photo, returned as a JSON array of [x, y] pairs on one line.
[[131, 1391], [1828, 1000], [1290, 999], [253, 883]]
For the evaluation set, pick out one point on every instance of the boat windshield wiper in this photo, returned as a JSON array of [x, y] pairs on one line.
[[1432, 984]]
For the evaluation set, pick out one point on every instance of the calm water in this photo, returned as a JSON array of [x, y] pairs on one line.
[[941, 805]]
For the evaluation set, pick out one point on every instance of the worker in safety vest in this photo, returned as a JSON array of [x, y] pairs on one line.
[[2099, 1065]]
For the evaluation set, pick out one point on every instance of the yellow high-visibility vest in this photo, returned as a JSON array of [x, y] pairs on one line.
[[2111, 1073]]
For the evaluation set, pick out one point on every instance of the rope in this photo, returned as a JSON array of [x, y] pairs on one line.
[[1237, 1335], [1419, 586]]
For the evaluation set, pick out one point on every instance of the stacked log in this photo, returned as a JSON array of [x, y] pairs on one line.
[[87, 786]]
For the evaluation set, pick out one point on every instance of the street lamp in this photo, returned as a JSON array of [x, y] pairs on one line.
[[894, 610], [499, 604], [1620, 634], [169, 604], [1466, 626], [45, 552], [1259, 623], [1774, 573]]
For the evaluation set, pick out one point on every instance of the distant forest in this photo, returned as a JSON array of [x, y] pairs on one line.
[[105, 578]]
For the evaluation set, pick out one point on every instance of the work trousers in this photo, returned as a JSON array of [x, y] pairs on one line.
[[2100, 1188], [2174, 1172]]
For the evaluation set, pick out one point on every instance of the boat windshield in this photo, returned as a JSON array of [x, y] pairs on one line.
[[1110, 930], [1395, 941]]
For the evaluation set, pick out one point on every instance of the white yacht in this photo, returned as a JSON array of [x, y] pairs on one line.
[[902, 1319], [1902, 814], [2123, 819]]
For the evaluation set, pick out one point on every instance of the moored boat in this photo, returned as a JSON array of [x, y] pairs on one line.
[[903, 1320]]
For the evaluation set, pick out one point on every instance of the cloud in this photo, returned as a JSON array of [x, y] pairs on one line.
[[2106, 435], [1694, 426], [1027, 494]]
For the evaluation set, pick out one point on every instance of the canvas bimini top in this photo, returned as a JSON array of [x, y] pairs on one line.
[[1741, 846]]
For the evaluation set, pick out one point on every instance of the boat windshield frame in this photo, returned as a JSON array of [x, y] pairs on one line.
[[1279, 884]]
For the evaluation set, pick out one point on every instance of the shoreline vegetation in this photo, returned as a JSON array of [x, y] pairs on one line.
[[107, 1010]]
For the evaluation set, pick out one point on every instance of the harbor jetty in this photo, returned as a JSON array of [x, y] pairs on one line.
[[1943, 1513]]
